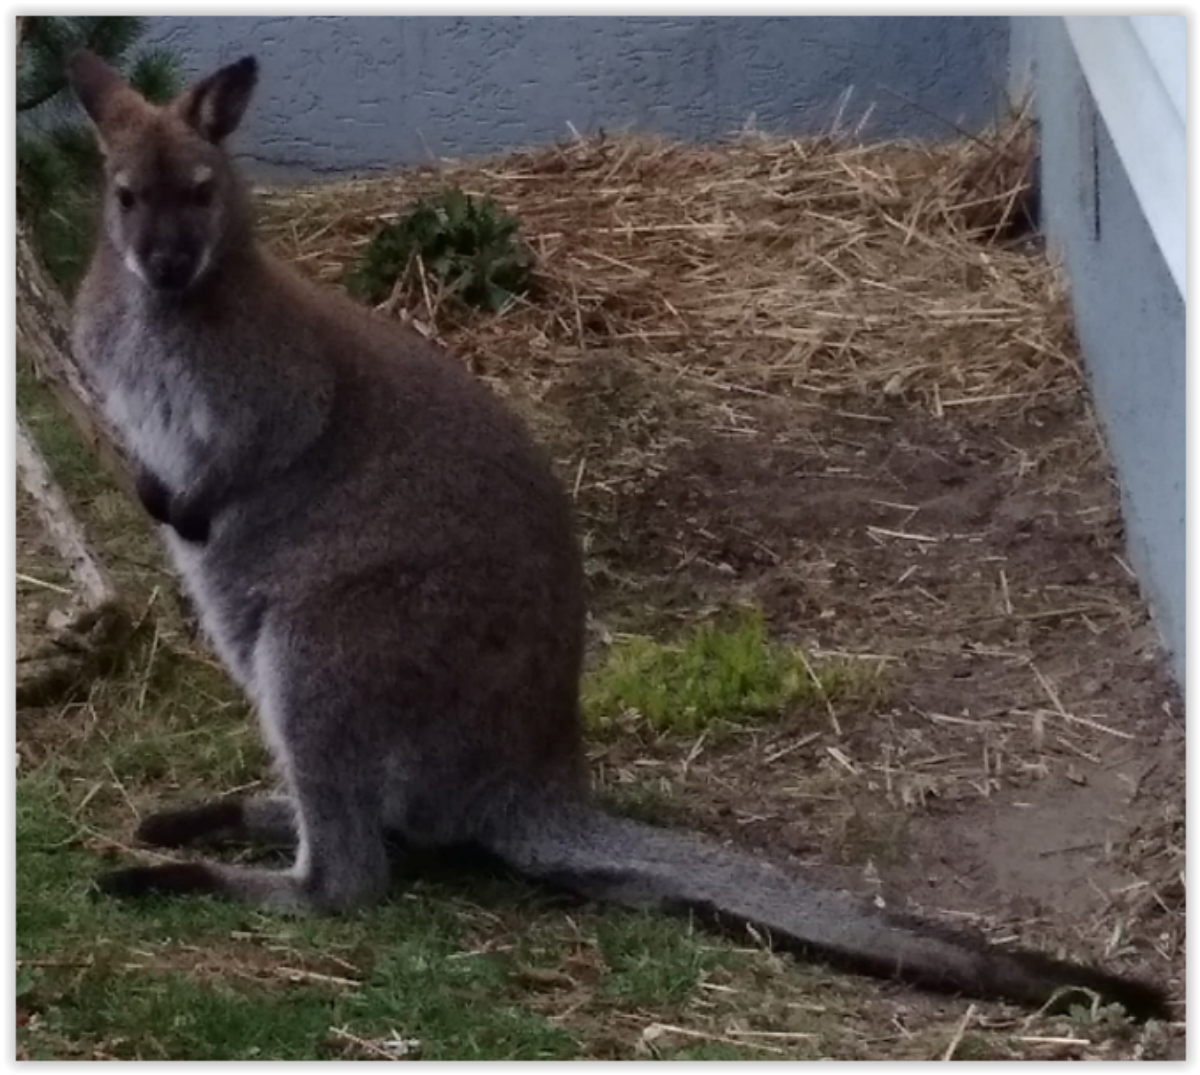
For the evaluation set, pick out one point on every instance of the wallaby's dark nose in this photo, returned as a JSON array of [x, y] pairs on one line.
[[170, 270]]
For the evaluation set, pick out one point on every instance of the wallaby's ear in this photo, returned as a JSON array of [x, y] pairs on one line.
[[215, 106], [97, 85]]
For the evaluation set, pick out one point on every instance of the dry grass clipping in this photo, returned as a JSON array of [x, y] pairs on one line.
[[811, 267]]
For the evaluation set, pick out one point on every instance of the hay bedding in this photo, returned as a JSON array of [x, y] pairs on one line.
[[836, 381], [808, 266]]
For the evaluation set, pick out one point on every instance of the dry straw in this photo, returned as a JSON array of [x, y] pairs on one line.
[[764, 265]]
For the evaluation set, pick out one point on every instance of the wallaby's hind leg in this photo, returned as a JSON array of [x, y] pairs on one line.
[[341, 863], [342, 856], [264, 819]]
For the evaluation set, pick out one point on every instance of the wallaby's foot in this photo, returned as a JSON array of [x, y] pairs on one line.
[[268, 819], [341, 864], [276, 890], [169, 879], [209, 823], [316, 890]]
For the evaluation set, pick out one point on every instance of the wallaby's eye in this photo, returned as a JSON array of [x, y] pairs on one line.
[[202, 193], [126, 198]]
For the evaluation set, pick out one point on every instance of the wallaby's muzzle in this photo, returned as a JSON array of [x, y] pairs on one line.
[[173, 268]]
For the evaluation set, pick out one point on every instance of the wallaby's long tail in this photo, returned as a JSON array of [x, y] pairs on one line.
[[620, 861]]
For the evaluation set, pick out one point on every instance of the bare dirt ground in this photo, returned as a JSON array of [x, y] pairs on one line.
[[1027, 764]]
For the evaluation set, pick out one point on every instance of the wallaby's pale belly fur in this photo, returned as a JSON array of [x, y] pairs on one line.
[[386, 563]]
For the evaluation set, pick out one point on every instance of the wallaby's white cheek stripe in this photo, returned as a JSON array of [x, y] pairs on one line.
[[134, 266]]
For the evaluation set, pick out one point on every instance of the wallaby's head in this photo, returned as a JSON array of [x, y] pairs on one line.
[[172, 199]]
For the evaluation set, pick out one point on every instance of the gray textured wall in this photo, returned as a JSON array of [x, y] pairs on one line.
[[1129, 316], [341, 94]]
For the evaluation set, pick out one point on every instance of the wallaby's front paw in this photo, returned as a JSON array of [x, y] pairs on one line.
[[191, 521], [154, 495], [169, 879]]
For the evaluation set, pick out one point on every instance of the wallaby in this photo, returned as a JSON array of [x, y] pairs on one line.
[[386, 563]]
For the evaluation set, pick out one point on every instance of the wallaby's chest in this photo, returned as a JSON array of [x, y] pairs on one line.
[[152, 394]]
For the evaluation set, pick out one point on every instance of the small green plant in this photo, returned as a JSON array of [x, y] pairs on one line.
[[731, 672], [469, 244], [58, 159]]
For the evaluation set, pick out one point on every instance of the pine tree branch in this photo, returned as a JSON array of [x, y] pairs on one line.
[[49, 40], [28, 104], [43, 334]]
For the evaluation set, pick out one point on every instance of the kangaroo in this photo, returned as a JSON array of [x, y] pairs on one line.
[[387, 565]]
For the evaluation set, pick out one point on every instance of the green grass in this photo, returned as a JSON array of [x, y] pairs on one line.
[[459, 968], [651, 960], [727, 672]]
